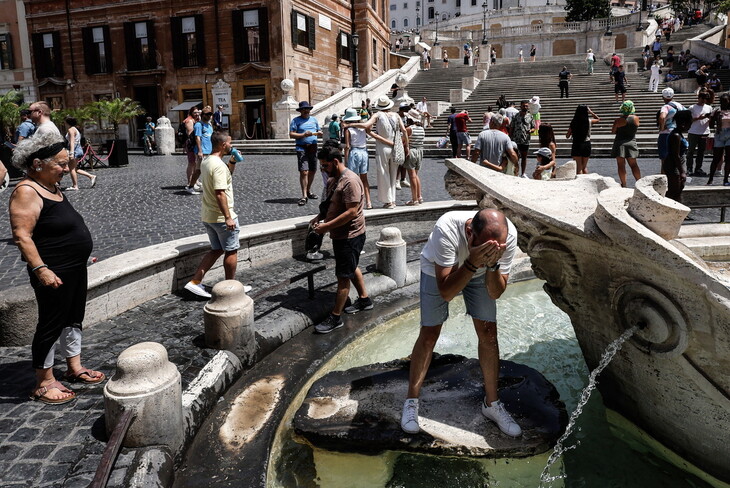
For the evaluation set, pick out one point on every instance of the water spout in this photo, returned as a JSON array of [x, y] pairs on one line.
[[545, 478]]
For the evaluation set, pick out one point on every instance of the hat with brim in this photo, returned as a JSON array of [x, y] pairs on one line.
[[351, 115], [544, 152], [383, 103], [404, 106], [303, 106]]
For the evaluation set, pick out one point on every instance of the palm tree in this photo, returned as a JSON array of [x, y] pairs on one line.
[[117, 111], [10, 113]]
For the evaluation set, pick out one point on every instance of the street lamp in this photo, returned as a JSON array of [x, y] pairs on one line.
[[638, 26], [436, 41], [355, 42], [418, 18], [484, 23]]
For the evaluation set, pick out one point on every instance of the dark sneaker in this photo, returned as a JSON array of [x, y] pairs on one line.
[[331, 323], [361, 304], [699, 172]]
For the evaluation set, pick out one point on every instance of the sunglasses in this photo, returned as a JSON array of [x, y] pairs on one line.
[[208, 113]]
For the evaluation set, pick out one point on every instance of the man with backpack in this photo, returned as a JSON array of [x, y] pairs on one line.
[[665, 121]]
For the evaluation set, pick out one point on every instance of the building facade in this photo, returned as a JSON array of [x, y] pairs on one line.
[[15, 60], [171, 55]]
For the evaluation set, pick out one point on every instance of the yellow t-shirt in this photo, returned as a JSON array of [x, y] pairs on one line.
[[214, 175]]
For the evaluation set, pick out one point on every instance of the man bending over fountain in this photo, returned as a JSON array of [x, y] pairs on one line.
[[471, 254]]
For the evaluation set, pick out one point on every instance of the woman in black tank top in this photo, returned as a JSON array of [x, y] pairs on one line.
[[55, 242]]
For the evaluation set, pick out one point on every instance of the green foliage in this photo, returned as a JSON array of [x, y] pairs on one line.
[[724, 6], [116, 111], [10, 107], [587, 10], [81, 114]]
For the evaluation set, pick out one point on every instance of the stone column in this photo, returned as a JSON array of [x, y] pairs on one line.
[[228, 319], [146, 382], [164, 136], [391, 260], [284, 111]]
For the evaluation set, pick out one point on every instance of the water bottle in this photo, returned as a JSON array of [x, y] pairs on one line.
[[236, 155]]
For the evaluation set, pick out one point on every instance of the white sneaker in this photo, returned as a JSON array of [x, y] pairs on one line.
[[315, 256], [247, 288], [197, 289], [409, 418], [191, 190], [198, 186], [405, 184], [397, 185], [497, 414]]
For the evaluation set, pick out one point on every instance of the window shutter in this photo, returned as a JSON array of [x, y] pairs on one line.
[[130, 46], [240, 41], [294, 36], [200, 39], [338, 46], [177, 44], [263, 34], [310, 32], [152, 44], [9, 60], [40, 63], [108, 50], [58, 65], [89, 58]]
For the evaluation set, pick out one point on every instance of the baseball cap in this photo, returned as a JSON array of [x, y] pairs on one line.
[[668, 93]]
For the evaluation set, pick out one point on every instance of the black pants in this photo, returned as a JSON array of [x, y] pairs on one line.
[[696, 143], [58, 308], [563, 88], [454, 143]]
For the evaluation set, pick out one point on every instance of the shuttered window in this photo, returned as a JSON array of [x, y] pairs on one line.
[[139, 42], [188, 41], [97, 49], [302, 30], [47, 55], [251, 35], [344, 46], [6, 52]]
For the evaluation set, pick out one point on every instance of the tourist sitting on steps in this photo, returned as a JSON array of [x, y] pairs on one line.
[[469, 253]]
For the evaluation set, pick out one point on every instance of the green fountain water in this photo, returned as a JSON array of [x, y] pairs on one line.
[[609, 452]]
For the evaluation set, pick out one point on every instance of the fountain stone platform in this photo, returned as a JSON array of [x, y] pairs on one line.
[[358, 410]]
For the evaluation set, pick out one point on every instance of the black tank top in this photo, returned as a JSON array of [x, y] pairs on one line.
[[61, 236]]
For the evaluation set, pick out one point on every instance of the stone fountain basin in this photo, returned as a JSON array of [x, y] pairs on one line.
[[358, 410]]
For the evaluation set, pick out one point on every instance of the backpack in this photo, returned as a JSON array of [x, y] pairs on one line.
[[181, 133], [659, 112]]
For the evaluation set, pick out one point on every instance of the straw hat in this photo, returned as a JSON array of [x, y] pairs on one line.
[[383, 103]]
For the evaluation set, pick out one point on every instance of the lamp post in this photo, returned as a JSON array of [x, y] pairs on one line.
[[638, 26], [436, 41], [418, 18], [484, 23], [355, 42]]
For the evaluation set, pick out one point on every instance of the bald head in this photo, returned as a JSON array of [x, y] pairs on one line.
[[489, 224]]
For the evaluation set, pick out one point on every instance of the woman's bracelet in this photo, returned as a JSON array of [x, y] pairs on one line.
[[470, 266], [33, 270]]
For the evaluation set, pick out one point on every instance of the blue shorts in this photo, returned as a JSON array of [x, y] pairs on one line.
[[722, 138], [435, 310], [663, 146], [220, 237], [357, 161]]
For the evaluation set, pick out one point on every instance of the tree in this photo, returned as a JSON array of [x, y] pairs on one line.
[[10, 113], [117, 111], [587, 10]]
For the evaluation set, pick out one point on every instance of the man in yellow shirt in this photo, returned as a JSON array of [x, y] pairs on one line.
[[219, 219]]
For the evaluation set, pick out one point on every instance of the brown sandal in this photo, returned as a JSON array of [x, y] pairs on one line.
[[84, 376], [39, 394]]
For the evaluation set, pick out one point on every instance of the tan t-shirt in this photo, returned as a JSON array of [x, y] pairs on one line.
[[214, 175], [347, 189]]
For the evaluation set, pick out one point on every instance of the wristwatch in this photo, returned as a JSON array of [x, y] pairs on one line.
[[493, 268]]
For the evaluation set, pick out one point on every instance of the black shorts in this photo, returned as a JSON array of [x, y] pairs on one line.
[[347, 255], [307, 159], [581, 149], [523, 148], [619, 89]]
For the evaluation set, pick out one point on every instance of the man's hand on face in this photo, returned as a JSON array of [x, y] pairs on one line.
[[485, 254]]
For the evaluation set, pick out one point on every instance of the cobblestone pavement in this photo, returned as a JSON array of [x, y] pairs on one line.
[[144, 203]]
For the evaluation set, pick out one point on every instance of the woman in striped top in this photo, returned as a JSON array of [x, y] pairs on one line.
[[412, 164]]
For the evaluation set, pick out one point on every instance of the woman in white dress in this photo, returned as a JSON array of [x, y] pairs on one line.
[[388, 125]]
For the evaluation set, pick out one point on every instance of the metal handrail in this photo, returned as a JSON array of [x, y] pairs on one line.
[[112, 449]]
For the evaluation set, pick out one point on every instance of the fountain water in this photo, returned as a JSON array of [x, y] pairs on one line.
[[559, 449]]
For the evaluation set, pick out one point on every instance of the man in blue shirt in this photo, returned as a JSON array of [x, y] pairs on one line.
[[26, 127], [305, 129], [149, 136], [203, 145]]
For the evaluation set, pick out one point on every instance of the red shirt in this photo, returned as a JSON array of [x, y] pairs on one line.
[[460, 122], [615, 61]]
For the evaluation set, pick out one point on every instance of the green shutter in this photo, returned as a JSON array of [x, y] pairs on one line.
[[294, 36], [310, 32]]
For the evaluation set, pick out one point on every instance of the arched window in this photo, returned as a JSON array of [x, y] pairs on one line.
[[418, 21], [443, 17], [431, 13], [392, 24], [405, 23]]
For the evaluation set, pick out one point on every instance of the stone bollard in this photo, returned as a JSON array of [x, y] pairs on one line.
[[391, 259], [164, 136], [148, 383], [228, 318]]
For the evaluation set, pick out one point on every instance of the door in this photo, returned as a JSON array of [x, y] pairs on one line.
[[147, 97]]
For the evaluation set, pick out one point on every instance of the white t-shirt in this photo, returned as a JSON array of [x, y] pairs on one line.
[[655, 70], [700, 127], [358, 137], [421, 107], [47, 127], [511, 112], [448, 245]]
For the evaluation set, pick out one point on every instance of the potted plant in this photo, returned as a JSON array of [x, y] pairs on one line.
[[117, 111]]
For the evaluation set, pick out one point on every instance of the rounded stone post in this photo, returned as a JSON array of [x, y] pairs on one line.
[[148, 383], [164, 136], [391, 260], [228, 319]]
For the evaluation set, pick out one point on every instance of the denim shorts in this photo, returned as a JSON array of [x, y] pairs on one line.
[[357, 161], [220, 237], [722, 138], [435, 310]]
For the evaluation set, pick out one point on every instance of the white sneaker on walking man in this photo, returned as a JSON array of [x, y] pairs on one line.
[[469, 253]]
